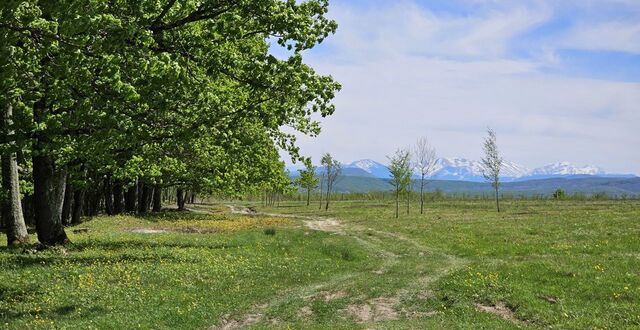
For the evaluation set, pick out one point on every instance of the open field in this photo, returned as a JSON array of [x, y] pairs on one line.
[[539, 264]]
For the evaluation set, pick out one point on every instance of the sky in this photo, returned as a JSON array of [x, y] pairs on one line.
[[557, 80]]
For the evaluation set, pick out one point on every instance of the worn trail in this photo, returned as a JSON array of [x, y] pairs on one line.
[[377, 243]]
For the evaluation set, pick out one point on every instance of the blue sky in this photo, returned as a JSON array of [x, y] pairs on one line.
[[557, 80]]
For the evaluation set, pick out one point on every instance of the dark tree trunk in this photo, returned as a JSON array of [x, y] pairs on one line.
[[157, 198], [497, 200], [131, 198], [118, 198], [108, 195], [94, 200], [145, 198], [140, 200], [67, 205], [308, 196], [27, 210], [78, 201], [12, 206], [49, 187], [180, 198]]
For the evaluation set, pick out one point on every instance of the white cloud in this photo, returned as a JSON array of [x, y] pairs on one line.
[[408, 72], [610, 36]]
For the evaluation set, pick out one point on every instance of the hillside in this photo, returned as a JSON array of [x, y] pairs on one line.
[[586, 185]]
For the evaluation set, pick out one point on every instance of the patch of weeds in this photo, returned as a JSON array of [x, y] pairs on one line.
[[270, 231]]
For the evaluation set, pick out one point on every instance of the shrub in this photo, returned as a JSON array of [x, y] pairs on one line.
[[270, 231], [559, 194]]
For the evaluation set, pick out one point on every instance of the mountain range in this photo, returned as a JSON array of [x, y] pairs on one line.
[[463, 176], [461, 169]]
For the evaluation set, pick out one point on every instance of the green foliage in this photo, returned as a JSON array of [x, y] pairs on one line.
[[169, 92], [308, 178], [559, 194]]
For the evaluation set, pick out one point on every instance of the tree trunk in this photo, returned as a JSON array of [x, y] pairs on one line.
[[67, 205], [118, 198], [108, 195], [180, 198], [321, 186], [131, 198], [145, 198], [497, 200], [12, 206], [78, 201], [49, 187], [157, 198], [326, 205], [27, 210], [397, 201], [308, 196], [422, 194]]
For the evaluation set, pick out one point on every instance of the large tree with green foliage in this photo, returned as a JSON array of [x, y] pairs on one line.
[[114, 85]]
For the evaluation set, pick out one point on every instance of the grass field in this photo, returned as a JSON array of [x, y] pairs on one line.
[[539, 264]]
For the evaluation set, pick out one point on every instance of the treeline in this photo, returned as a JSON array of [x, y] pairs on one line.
[[430, 196], [112, 108]]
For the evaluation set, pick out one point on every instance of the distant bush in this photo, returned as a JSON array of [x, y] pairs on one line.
[[559, 194], [270, 231], [600, 195]]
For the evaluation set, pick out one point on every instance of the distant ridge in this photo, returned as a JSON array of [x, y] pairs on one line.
[[461, 169]]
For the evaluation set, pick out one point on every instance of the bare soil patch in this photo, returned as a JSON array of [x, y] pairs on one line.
[[328, 225], [305, 312], [230, 324], [375, 310], [148, 231], [500, 309]]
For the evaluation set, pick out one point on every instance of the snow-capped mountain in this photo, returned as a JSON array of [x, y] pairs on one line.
[[372, 167], [471, 170], [461, 169], [565, 168]]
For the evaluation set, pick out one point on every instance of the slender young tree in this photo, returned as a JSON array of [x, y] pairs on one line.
[[332, 169], [492, 163], [400, 170], [308, 180], [425, 163], [321, 187]]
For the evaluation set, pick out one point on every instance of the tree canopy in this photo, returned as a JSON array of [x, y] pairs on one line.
[[164, 92]]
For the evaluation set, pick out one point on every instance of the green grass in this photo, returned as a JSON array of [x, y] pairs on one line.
[[554, 264]]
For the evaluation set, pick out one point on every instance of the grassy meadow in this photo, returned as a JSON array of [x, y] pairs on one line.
[[538, 264]]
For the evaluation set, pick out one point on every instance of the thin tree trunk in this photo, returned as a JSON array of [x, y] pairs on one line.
[[118, 198], [326, 206], [67, 204], [397, 201], [321, 186], [422, 194], [12, 206], [108, 195], [140, 196], [497, 200], [157, 198], [308, 196]]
